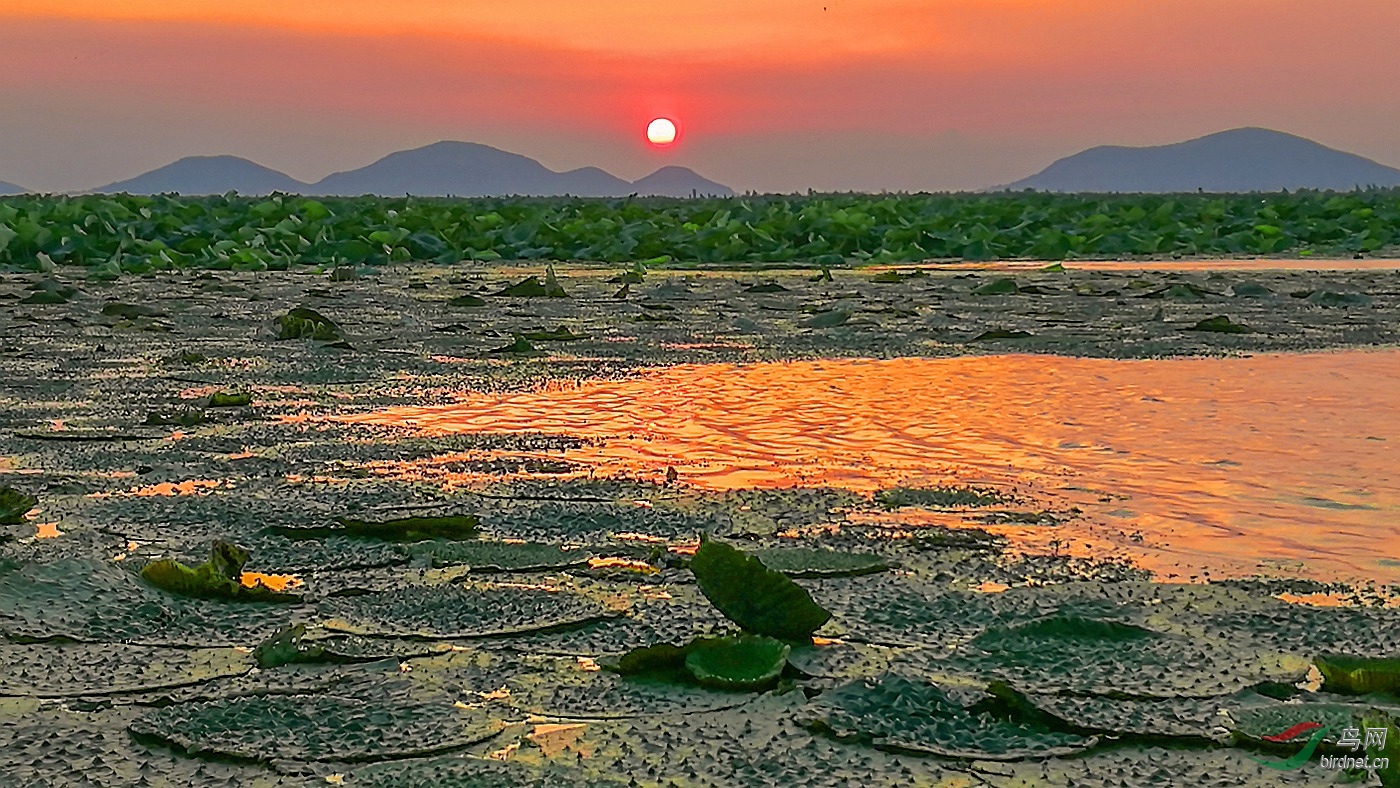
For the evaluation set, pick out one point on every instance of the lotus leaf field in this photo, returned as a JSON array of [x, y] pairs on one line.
[[212, 571], [111, 235]]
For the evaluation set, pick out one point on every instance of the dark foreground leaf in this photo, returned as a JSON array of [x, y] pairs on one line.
[[754, 596]]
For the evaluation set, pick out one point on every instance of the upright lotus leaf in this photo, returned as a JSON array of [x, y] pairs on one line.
[[552, 288], [1220, 324], [519, 346], [404, 529], [1387, 747], [1003, 286], [303, 323], [753, 596], [529, 287], [745, 663], [1359, 675], [14, 505], [229, 399], [217, 578], [286, 646]]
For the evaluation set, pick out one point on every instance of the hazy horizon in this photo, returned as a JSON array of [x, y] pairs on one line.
[[836, 95]]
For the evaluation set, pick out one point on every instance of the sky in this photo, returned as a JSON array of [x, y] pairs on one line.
[[770, 95]]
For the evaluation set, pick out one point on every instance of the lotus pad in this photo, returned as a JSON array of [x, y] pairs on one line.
[[404, 529], [100, 601], [1359, 675], [893, 712], [813, 562], [567, 690], [742, 663], [14, 504], [753, 596], [489, 556], [47, 670], [1253, 724], [461, 611], [1094, 656], [1163, 717], [316, 728]]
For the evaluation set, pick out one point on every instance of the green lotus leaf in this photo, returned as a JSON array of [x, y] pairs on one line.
[[753, 596], [403, 529], [740, 663], [303, 323], [14, 505], [1359, 675]]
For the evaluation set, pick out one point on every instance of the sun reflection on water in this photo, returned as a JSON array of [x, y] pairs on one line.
[[1274, 464]]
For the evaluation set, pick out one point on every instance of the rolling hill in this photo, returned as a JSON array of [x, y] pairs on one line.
[[208, 175], [7, 188], [1240, 160]]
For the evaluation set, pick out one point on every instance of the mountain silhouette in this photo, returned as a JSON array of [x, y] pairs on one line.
[[7, 188], [208, 175], [457, 169], [1239, 160], [679, 182]]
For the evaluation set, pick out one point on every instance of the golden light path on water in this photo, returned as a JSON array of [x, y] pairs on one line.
[[1280, 465]]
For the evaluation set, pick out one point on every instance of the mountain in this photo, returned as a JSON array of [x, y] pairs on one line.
[[1240, 160], [7, 188], [468, 169], [208, 175], [679, 182], [458, 169]]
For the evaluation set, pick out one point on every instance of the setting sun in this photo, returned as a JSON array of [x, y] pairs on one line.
[[661, 131]]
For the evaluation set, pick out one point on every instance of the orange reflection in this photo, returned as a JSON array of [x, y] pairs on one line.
[[274, 582], [168, 489], [47, 531], [1272, 464], [556, 738]]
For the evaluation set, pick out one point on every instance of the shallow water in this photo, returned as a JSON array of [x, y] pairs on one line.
[[1275, 464]]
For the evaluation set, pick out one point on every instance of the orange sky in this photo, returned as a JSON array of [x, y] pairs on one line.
[[780, 94]]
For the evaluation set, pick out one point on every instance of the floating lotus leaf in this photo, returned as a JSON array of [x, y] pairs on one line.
[[1196, 718], [569, 690], [466, 300], [1288, 725], [1250, 290], [830, 318], [560, 334], [446, 612], [56, 670], [766, 287], [532, 287], [491, 556], [1220, 324], [1067, 653], [1001, 333], [14, 505], [743, 663], [1359, 675], [303, 323], [98, 600], [1330, 298], [404, 529], [755, 597], [316, 728], [894, 712], [477, 772], [1002, 286], [939, 497], [817, 562]]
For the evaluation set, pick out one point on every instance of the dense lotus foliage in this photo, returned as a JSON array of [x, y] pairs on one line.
[[115, 234]]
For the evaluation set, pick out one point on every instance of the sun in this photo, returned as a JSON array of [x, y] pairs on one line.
[[661, 132]]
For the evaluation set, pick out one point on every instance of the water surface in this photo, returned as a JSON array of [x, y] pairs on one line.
[[1282, 465]]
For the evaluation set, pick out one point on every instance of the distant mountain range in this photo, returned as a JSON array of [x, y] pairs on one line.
[[459, 169], [9, 188], [1240, 160]]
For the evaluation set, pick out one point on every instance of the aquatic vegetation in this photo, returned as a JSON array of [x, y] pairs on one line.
[[1359, 675], [138, 234], [217, 578], [403, 529], [14, 505], [753, 596], [1220, 325], [303, 323]]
